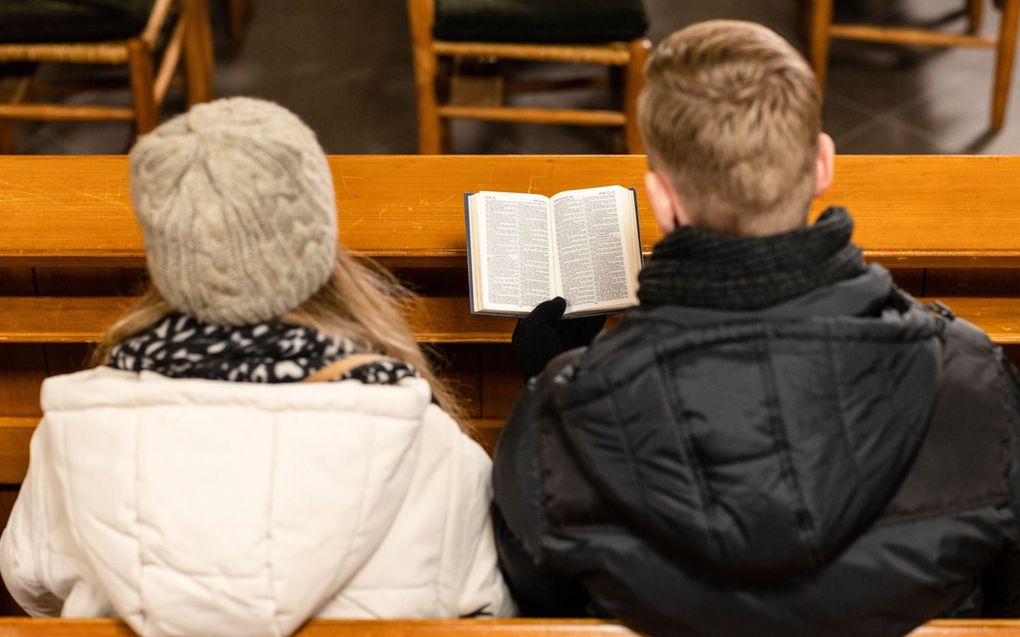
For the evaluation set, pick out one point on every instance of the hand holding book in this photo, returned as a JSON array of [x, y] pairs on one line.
[[544, 334]]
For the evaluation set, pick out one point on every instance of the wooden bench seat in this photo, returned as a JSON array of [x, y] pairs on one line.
[[18, 627], [76, 319], [10, 627]]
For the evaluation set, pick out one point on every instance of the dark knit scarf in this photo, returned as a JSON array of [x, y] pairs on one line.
[[694, 267], [181, 346]]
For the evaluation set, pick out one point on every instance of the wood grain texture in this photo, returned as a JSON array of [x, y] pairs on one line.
[[616, 53], [432, 319], [41, 319], [15, 436], [23, 627], [912, 37], [22, 370], [997, 317], [459, 366], [575, 117], [1005, 59], [910, 211], [56, 112]]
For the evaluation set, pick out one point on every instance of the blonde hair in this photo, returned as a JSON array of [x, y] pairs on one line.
[[362, 305], [731, 115]]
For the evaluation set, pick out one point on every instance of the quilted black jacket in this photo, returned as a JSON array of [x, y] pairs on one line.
[[845, 463]]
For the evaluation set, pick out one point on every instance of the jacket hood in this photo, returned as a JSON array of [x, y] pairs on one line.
[[199, 492], [754, 444]]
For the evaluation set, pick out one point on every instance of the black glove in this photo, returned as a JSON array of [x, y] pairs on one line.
[[542, 336]]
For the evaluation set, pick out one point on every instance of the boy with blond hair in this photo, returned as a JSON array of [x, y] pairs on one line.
[[778, 440]]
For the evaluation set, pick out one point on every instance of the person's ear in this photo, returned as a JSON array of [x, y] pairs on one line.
[[826, 169], [666, 206]]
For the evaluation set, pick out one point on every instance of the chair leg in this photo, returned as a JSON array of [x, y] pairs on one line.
[[430, 129], [821, 21], [635, 81], [12, 91], [1004, 63], [975, 15], [198, 51], [804, 16], [240, 11], [142, 86], [425, 67]]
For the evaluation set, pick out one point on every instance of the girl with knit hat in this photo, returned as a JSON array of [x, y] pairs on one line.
[[262, 441]]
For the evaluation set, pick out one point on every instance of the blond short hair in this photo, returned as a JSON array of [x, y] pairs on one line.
[[731, 115]]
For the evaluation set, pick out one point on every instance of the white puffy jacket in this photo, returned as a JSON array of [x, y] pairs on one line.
[[194, 507]]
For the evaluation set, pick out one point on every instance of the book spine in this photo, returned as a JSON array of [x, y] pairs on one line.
[[467, 241], [637, 222]]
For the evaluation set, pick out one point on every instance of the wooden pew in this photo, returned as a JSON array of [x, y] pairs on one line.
[[68, 237], [70, 251], [11, 627]]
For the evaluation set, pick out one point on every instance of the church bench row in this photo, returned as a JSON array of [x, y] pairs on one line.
[[66, 227], [10, 627], [74, 212], [44, 319], [955, 212]]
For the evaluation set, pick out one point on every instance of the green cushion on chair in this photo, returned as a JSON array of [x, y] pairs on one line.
[[41, 21], [540, 21]]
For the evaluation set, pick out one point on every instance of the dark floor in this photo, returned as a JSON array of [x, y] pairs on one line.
[[345, 67]]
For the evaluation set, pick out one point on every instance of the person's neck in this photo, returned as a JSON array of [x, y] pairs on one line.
[[755, 226], [696, 267]]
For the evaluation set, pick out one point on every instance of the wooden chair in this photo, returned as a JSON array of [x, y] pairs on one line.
[[430, 51], [823, 30], [239, 12], [190, 38]]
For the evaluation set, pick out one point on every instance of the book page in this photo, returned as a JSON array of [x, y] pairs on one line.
[[514, 240], [597, 249]]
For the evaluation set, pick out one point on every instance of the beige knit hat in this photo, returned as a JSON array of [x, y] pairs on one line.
[[236, 203]]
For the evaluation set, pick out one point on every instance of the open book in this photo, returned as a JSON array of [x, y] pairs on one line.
[[582, 245]]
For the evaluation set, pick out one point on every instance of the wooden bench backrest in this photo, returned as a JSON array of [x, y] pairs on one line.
[[955, 211], [917, 212]]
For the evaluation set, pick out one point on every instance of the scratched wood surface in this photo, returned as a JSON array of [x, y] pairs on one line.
[[18, 627], [910, 211]]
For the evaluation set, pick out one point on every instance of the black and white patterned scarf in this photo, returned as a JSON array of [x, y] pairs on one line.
[[181, 346]]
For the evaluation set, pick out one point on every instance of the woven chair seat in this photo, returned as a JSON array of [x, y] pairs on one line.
[[540, 21], [71, 21]]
